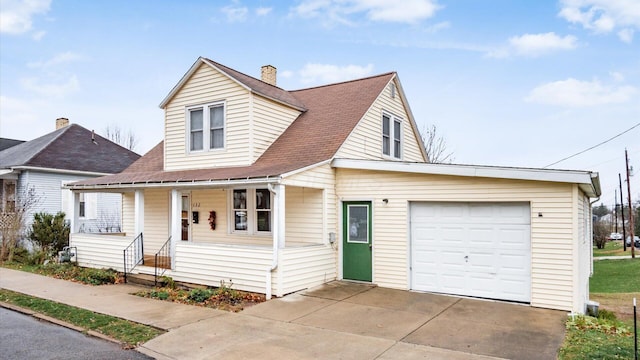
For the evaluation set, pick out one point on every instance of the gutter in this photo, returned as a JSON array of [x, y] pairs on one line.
[[175, 183], [276, 235], [61, 171]]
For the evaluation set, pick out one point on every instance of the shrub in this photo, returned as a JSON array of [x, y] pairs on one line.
[[600, 234], [162, 295], [49, 232], [200, 295]]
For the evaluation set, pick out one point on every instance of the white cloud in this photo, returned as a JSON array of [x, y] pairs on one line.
[[626, 35], [437, 27], [534, 45], [38, 35], [576, 93], [262, 11], [616, 76], [235, 13], [327, 73], [62, 58], [341, 11], [16, 16], [51, 88], [603, 16], [286, 74], [538, 44]]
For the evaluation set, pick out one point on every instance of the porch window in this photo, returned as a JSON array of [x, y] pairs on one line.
[[240, 210], [391, 136], [252, 211], [263, 209], [82, 212], [202, 119]]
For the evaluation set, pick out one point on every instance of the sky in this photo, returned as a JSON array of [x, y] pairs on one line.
[[508, 83]]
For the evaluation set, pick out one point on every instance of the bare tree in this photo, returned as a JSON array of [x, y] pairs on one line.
[[128, 140], [435, 146], [13, 225]]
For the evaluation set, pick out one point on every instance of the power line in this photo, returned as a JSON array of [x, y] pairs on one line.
[[594, 146]]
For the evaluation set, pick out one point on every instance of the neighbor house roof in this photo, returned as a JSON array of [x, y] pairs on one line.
[[7, 143], [71, 148], [314, 137]]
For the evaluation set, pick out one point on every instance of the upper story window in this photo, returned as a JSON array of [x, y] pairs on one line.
[[210, 118], [391, 136]]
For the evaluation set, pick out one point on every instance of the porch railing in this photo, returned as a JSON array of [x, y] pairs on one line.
[[162, 260], [133, 255]]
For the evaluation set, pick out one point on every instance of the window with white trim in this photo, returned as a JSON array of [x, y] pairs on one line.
[[391, 136], [251, 211], [206, 127]]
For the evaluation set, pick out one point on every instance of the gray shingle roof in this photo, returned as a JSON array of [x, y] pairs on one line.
[[69, 148], [7, 143]]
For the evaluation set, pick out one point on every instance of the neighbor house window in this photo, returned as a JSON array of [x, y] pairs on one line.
[[200, 118], [252, 211], [391, 136], [82, 212]]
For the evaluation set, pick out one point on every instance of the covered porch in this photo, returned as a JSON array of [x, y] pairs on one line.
[[262, 237]]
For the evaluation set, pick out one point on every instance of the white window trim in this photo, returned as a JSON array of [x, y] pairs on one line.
[[252, 213], [206, 126], [392, 120]]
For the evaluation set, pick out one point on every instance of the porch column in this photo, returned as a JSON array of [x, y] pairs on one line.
[[174, 223], [74, 211], [139, 212], [279, 215]]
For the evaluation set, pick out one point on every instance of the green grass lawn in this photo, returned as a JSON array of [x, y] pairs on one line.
[[612, 248], [615, 276], [614, 284], [129, 333]]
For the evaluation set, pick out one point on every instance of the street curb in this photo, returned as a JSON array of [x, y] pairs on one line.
[[59, 322]]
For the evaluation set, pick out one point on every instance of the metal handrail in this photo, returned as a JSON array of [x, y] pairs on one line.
[[133, 255], [162, 260]]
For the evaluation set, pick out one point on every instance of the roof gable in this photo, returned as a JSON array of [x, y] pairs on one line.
[[249, 83], [71, 148], [332, 113]]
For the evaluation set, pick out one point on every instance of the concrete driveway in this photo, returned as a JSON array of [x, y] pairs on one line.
[[343, 320]]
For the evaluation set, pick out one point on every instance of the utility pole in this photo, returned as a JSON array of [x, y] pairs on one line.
[[633, 254], [615, 208], [624, 233]]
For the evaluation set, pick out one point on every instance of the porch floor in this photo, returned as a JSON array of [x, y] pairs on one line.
[[164, 262]]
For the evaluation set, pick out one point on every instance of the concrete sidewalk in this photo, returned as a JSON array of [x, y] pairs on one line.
[[335, 321]]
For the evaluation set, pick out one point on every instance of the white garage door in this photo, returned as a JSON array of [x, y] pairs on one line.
[[472, 249]]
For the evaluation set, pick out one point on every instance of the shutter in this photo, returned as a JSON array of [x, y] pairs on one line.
[[91, 205]]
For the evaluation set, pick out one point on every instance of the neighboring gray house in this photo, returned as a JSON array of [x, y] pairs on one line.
[[7, 143], [70, 153]]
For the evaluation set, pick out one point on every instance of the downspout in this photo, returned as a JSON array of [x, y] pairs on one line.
[[276, 232]]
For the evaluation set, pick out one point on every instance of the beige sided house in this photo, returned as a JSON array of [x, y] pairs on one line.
[[278, 191]]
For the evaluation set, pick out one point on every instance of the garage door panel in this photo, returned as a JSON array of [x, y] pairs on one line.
[[475, 249]]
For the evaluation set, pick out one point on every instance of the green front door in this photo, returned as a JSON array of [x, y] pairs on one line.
[[356, 242]]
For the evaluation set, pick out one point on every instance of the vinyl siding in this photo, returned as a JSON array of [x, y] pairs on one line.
[[210, 264], [552, 234], [303, 208], [156, 219], [100, 251], [128, 213], [270, 120], [365, 142], [584, 248], [306, 267], [205, 86], [320, 177], [51, 198], [204, 201]]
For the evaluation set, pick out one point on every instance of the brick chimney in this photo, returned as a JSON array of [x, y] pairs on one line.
[[268, 74], [61, 122]]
